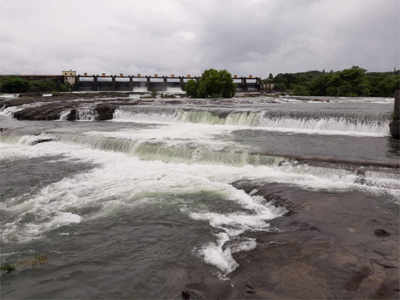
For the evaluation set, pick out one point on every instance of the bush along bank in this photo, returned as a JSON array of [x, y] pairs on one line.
[[19, 85], [352, 82]]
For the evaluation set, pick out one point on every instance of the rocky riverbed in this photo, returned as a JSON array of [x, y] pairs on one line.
[[250, 198]]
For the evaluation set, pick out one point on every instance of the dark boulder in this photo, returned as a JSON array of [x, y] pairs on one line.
[[381, 233], [104, 111], [46, 112], [72, 116], [395, 124], [395, 129]]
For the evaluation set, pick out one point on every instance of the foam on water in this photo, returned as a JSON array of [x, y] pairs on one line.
[[320, 124], [140, 89], [64, 115], [174, 91], [119, 178], [86, 114], [9, 111], [8, 96]]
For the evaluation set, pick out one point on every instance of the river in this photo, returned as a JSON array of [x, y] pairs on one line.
[[143, 204]]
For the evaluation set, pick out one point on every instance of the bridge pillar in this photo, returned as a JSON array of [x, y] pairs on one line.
[[244, 84], [77, 83], [131, 83], [258, 84], [114, 83], [165, 79], [182, 83], [95, 86], [148, 82]]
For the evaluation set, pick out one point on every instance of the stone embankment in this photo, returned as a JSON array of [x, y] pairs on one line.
[[395, 124]]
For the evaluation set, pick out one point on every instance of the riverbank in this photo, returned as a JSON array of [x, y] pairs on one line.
[[328, 246]]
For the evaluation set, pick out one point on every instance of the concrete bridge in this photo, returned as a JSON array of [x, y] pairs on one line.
[[138, 82], [155, 82]]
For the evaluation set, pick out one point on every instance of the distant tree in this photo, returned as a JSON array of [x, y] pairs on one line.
[[212, 83], [331, 91], [345, 90], [301, 90], [353, 81], [14, 85], [191, 88]]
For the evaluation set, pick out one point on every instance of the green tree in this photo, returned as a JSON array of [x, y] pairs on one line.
[[332, 91], [212, 83], [301, 90], [191, 88], [14, 85]]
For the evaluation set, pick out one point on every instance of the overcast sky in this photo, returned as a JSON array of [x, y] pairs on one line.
[[186, 36]]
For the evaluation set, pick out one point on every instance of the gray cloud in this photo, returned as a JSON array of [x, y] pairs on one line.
[[185, 36]]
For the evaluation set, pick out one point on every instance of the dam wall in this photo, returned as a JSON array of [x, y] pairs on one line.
[[137, 82], [150, 83]]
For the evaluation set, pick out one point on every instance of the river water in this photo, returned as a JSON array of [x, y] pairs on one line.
[[142, 205]]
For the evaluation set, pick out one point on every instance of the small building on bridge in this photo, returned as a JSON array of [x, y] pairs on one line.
[[69, 77]]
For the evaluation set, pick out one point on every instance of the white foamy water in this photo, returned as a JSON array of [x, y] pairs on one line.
[[9, 111], [64, 115], [140, 89], [8, 96], [174, 91], [86, 114], [121, 182], [330, 126], [259, 120]]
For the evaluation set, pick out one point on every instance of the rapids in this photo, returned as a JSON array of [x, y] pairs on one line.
[[151, 191]]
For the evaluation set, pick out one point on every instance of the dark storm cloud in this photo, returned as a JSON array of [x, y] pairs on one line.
[[182, 36]]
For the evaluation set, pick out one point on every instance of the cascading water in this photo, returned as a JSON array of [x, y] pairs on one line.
[[86, 114], [150, 199], [313, 123]]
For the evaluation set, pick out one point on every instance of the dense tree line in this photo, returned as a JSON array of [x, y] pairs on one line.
[[349, 82], [212, 83], [19, 85]]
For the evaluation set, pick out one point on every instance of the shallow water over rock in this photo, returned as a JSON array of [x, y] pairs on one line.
[[192, 197]]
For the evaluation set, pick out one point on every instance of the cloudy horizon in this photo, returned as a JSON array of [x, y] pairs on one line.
[[181, 36]]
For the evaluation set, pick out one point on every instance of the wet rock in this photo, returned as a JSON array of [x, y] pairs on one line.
[[185, 295], [314, 255], [43, 140], [104, 111], [357, 278], [73, 115], [45, 112], [395, 129], [263, 190], [381, 233], [395, 124]]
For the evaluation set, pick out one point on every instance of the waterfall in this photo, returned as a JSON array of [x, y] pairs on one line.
[[86, 114], [181, 152], [140, 89], [324, 122], [64, 115]]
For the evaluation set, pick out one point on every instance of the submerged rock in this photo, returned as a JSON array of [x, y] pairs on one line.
[[381, 233]]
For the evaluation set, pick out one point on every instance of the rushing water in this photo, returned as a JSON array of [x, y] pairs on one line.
[[141, 205]]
